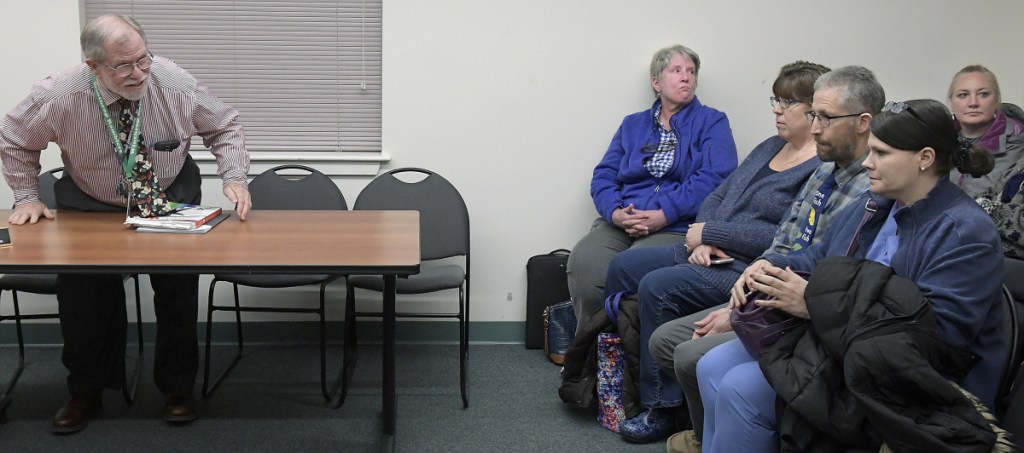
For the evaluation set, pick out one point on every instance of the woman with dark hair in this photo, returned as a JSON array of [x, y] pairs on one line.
[[982, 117], [914, 220]]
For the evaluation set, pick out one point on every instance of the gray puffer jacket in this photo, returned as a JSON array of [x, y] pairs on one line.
[[1010, 151]]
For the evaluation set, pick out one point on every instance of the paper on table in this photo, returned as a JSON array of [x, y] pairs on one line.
[[198, 230]]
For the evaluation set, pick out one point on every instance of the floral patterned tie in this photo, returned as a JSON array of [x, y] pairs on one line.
[[144, 187]]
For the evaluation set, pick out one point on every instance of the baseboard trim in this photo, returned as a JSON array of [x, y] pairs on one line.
[[289, 332]]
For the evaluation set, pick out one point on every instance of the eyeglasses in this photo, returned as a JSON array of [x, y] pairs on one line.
[[782, 102], [124, 70], [897, 107], [826, 120]]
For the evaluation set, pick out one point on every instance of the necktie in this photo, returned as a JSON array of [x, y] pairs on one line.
[[810, 224], [144, 187]]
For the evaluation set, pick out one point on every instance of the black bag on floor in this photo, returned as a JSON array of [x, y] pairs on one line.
[[546, 284]]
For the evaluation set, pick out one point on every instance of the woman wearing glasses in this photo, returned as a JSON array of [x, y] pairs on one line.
[[660, 165], [982, 118], [735, 223], [914, 220]]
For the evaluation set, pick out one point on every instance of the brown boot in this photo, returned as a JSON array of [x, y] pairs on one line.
[[75, 415], [180, 407]]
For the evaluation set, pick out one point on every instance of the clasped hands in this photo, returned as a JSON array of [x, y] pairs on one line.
[[701, 254], [785, 287], [637, 222]]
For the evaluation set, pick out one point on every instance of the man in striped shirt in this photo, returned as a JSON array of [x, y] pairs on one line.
[[79, 110]]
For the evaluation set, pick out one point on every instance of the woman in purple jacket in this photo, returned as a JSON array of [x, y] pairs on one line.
[[660, 166]]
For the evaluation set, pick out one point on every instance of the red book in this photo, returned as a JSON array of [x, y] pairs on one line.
[[188, 217]]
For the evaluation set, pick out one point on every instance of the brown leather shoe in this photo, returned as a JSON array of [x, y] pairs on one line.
[[180, 407], [683, 442], [75, 415]]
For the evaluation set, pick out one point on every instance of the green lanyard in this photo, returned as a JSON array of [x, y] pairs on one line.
[[127, 158]]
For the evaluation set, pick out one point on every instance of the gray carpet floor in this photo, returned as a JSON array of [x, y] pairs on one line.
[[272, 402]]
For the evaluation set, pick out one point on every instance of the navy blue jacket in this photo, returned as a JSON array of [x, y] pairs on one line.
[[951, 249]]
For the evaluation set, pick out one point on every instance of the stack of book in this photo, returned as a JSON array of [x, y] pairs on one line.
[[185, 219]]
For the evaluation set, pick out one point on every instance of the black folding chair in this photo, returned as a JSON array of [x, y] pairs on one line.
[[444, 234], [275, 189]]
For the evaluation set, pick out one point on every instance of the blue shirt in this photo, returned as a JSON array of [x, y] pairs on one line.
[[887, 240]]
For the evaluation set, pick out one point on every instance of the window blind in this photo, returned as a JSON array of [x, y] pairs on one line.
[[305, 75]]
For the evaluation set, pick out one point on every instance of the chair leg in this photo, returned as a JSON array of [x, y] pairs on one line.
[[323, 343], [5, 398], [128, 390], [209, 388], [463, 345], [348, 362]]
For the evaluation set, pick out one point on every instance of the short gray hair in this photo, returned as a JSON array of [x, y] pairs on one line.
[[663, 56], [859, 89], [99, 31]]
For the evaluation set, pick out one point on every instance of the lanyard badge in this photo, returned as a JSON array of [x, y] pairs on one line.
[[125, 156]]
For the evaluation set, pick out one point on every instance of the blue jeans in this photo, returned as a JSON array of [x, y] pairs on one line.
[[739, 404], [666, 291], [628, 267]]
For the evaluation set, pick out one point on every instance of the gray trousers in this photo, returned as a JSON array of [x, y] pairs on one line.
[[673, 347], [587, 268]]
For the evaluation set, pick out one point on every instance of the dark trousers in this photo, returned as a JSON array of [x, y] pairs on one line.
[[93, 317]]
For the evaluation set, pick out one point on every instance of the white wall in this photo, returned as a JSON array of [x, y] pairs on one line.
[[515, 102]]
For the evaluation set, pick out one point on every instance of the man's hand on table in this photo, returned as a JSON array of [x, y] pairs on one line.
[[29, 213]]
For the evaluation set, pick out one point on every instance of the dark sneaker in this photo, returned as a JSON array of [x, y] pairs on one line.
[[651, 425]]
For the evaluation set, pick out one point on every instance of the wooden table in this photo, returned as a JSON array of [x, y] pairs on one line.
[[383, 243]]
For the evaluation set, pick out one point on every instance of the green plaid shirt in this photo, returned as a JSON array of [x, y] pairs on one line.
[[851, 183]]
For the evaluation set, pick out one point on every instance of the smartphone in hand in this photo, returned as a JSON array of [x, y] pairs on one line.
[[717, 261]]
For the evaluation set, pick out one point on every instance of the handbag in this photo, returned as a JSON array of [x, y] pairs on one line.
[[559, 329], [758, 327], [611, 364]]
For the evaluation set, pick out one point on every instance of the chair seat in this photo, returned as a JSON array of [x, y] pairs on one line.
[[273, 281], [29, 283], [430, 279]]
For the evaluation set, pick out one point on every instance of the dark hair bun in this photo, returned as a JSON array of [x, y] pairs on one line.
[[973, 160]]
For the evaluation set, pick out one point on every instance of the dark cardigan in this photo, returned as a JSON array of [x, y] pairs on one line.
[[741, 218]]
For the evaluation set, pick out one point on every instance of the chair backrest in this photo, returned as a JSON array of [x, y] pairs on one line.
[[1010, 328], [295, 187], [444, 217], [46, 182], [1013, 323], [1013, 280]]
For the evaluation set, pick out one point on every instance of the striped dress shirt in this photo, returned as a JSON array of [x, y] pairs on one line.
[[62, 109]]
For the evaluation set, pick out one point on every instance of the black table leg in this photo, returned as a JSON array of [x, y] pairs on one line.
[[388, 439]]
